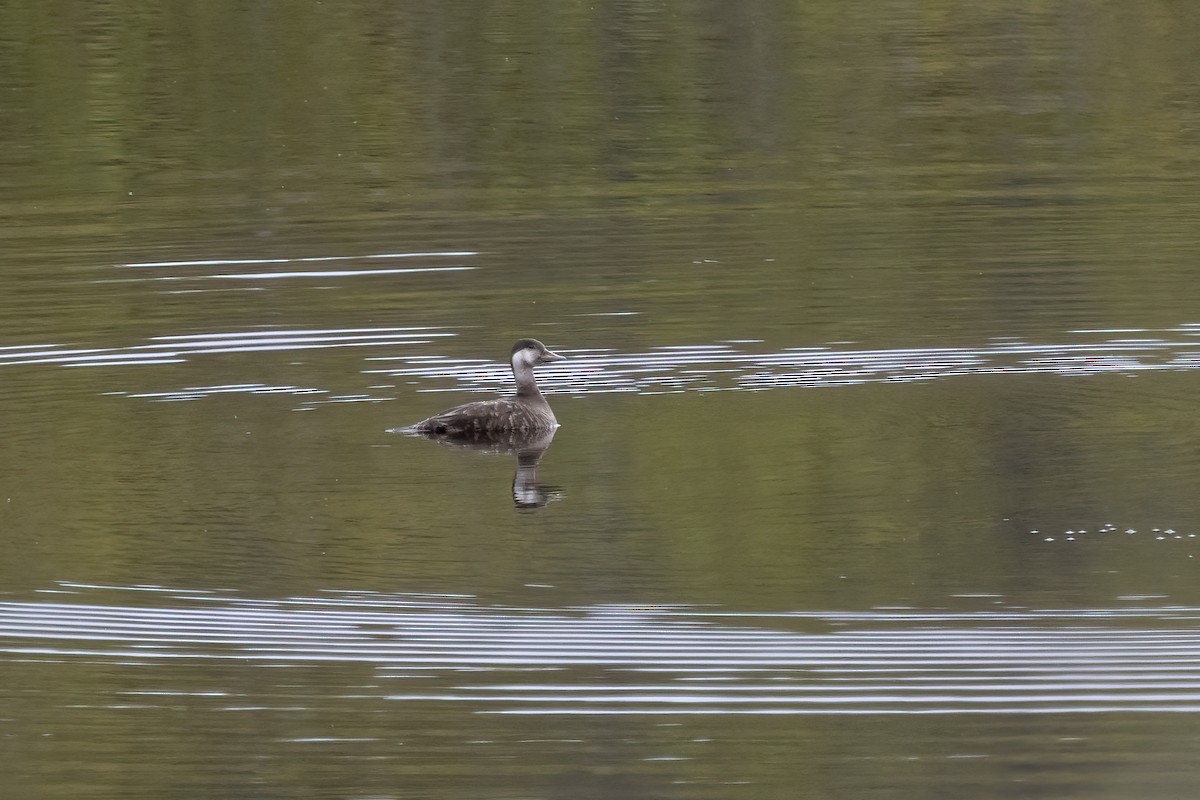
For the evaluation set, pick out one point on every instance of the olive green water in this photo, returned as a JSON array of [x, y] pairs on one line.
[[879, 455]]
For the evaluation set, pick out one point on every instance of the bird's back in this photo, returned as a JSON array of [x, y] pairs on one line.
[[489, 417]]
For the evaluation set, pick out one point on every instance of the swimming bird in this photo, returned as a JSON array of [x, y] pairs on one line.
[[526, 413]]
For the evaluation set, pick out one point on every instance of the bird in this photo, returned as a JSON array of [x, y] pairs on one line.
[[525, 413]]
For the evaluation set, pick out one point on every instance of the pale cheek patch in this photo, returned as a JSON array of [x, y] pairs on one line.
[[524, 358]]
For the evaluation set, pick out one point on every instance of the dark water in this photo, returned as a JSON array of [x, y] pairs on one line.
[[879, 457]]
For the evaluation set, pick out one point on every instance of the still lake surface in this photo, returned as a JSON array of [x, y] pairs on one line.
[[879, 457]]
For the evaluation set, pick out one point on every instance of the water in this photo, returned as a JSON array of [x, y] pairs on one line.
[[877, 469]]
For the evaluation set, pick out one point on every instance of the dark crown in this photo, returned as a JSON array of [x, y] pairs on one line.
[[523, 343]]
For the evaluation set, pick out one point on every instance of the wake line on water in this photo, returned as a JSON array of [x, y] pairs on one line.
[[306, 260], [293, 273], [595, 660], [669, 369], [723, 367]]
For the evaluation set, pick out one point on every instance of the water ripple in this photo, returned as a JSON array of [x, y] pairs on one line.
[[259, 274], [174, 349], [660, 660], [724, 367]]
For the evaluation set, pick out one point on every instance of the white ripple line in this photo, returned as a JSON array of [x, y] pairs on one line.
[[1113, 709], [718, 698], [413, 331], [310, 259], [246, 276]]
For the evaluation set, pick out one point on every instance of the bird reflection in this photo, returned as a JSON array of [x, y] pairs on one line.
[[527, 492]]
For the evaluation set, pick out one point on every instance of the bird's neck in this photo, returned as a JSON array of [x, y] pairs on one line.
[[523, 372]]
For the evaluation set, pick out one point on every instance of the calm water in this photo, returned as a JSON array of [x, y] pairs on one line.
[[879, 457]]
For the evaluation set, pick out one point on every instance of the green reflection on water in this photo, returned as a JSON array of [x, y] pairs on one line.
[[894, 175]]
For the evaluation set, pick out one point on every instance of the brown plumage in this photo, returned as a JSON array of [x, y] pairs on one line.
[[527, 412]]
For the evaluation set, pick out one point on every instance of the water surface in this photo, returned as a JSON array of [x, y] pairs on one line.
[[877, 469]]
